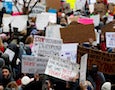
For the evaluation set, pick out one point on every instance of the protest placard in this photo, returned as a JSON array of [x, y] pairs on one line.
[[7, 19], [10, 53], [77, 33], [110, 39], [80, 4], [32, 64], [38, 8], [53, 31], [62, 69], [96, 19], [83, 68], [69, 52], [105, 61], [20, 22], [46, 46]]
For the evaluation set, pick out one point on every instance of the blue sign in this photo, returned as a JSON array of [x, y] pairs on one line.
[[8, 6]]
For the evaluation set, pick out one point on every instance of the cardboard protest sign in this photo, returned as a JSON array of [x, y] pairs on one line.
[[105, 61], [77, 33], [62, 69], [53, 4], [69, 52], [110, 39], [32, 64], [83, 68], [109, 27], [100, 8], [46, 46]]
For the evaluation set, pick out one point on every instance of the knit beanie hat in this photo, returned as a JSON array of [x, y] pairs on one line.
[[106, 86]]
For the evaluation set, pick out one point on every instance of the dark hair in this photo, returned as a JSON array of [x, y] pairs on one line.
[[6, 67]]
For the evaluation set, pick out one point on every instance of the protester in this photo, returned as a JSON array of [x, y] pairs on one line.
[[6, 76]]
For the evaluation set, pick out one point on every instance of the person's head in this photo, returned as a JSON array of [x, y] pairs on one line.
[[6, 72], [29, 40], [12, 85]]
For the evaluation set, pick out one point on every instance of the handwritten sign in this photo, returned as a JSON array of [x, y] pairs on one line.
[[39, 8], [110, 39], [46, 46], [105, 63], [32, 64], [61, 69]]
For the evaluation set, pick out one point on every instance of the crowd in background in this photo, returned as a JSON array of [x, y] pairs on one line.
[[21, 43]]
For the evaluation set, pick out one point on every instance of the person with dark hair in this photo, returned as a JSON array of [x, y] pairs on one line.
[[6, 76]]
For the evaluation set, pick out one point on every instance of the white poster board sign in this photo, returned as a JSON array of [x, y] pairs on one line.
[[32, 64], [53, 31], [38, 8], [42, 21], [110, 39], [7, 19], [46, 46], [83, 68], [61, 69], [20, 22], [10, 53], [80, 4], [96, 19], [69, 52]]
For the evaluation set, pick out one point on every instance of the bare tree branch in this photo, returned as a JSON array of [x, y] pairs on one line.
[[34, 6]]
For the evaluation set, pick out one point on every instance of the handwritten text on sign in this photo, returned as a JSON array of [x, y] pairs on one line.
[[32, 64], [45, 46], [61, 69]]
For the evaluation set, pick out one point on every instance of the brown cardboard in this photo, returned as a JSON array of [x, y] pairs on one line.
[[55, 4], [100, 8], [110, 27], [77, 33], [111, 7], [105, 61]]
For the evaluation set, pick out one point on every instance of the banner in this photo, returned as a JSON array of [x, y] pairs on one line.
[[105, 61], [32, 64], [62, 69], [110, 39]]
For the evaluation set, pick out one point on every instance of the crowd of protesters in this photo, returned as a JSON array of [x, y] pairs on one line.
[[11, 77]]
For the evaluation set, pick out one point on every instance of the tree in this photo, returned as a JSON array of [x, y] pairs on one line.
[[25, 5]]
